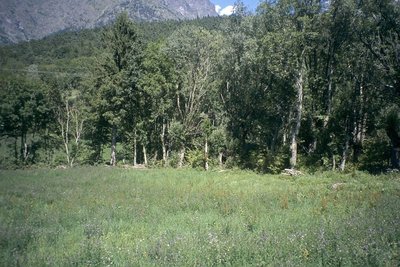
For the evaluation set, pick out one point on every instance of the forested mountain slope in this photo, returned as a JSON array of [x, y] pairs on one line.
[[22, 20]]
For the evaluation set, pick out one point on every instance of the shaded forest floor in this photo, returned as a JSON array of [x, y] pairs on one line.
[[104, 216]]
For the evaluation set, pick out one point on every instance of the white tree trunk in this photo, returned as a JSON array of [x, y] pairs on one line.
[[64, 127], [134, 148], [67, 154], [330, 93], [206, 167], [360, 122], [145, 155], [181, 157], [284, 139], [220, 156], [344, 155], [293, 152], [70, 117], [26, 153], [164, 147], [297, 119], [79, 121]]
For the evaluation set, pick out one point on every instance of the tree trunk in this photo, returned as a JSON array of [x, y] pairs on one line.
[[344, 154], [393, 121], [297, 120], [64, 123], [359, 121], [330, 93], [206, 167], [67, 153], [284, 139], [181, 157], [145, 155], [220, 157], [293, 152], [25, 150], [16, 149], [155, 157], [21, 149], [395, 158], [72, 162], [164, 147], [134, 148], [46, 146], [113, 160]]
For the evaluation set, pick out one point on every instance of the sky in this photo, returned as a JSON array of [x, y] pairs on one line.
[[225, 7]]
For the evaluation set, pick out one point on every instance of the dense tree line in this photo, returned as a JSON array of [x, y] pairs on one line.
[[299, 84]]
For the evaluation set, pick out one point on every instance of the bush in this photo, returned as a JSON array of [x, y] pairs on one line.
[[195, 158], [376, 156]]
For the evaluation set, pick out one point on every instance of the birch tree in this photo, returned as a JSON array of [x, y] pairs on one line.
[[194, 52], [71, 120], [287, 41]]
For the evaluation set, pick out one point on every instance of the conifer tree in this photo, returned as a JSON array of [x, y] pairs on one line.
[[117, 90]]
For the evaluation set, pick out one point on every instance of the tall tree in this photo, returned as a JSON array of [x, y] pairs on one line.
[[377, 26], [158, 82], [288, 39], [70, 113], [393, 131], [24, 112], [116, 83], [195, 51]]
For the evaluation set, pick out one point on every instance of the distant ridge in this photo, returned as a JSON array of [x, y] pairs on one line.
[[22, 20]]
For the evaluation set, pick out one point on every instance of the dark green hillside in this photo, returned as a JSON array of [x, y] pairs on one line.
[[62, 49]]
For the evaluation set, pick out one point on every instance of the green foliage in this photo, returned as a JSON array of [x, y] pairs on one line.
[[195, 53], [195, 158], [113, 216], [119, 71], [177, 134], [23, 110], [218, 140], [392, 122], [375, 150], [232, 83]]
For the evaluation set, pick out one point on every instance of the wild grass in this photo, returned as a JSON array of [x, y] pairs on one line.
[[104, 216]]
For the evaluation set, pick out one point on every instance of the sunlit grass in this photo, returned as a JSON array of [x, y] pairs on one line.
[[104, 216]]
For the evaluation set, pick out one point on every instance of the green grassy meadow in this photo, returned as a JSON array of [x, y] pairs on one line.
[[98, 216]]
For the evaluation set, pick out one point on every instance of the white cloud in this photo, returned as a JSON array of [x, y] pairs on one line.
[[226, 11]]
